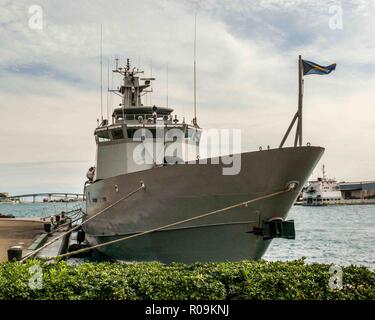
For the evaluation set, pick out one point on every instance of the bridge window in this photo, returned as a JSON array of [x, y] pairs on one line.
[[103, 136], [117, 134], [148, 133], [131, 133], [153, 132]]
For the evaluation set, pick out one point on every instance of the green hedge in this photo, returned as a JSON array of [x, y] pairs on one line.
[[234, 280]]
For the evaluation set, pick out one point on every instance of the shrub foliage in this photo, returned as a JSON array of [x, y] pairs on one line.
[[209, 281]]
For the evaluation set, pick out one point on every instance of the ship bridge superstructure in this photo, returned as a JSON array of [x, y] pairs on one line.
[[140, 137]]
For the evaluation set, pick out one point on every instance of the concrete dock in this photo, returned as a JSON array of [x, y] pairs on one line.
[[18, 232]]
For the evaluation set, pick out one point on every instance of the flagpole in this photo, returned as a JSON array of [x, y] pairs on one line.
[[300, 98], [304, 68]]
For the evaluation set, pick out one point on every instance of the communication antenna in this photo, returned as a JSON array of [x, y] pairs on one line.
[[195, 123], [101, 71], [151, 85], [195, 70], [108, 93], [167, 85]]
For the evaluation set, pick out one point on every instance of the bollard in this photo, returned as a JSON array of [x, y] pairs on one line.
[[15, 253], [63, 218], [80, 236], [48, 227]]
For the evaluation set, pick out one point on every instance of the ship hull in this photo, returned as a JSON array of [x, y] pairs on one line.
[[184, 191]]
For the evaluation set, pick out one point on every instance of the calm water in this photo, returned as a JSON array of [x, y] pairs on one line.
[[38, 209], [341, 235]]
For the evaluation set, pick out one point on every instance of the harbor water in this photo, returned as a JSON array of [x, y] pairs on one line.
[[31, 210], [341, 235]]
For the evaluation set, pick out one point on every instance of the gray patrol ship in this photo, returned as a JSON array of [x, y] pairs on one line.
[[181, 208]]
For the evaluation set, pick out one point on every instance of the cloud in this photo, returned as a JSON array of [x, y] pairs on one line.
[[23, 178], [247, 76]]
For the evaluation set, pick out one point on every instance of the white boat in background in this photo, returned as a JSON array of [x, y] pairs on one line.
[[325, 191], [321, 192]]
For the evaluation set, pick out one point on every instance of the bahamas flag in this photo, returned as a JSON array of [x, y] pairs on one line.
[[313, 68]]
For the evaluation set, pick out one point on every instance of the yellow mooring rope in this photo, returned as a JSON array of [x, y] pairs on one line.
[[289, 188]]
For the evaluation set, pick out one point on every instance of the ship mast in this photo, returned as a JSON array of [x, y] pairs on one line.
[[131, 88], [131, 91]]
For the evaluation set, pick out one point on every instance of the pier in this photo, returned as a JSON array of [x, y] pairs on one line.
[[38, 237], [18, 232]]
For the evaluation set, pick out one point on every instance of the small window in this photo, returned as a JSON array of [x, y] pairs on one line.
[[193, 134], [188, 133]]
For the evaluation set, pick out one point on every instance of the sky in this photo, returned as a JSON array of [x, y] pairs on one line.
[[247, 59]]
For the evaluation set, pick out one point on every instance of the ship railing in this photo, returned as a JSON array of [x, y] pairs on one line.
[[145, 118]]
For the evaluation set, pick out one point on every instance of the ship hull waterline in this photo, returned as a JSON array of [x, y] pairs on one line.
[[177, 192]]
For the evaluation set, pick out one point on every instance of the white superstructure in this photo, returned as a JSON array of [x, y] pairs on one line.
[[122, 148]]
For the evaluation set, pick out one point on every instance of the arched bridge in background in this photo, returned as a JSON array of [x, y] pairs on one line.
[[48, 197]]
